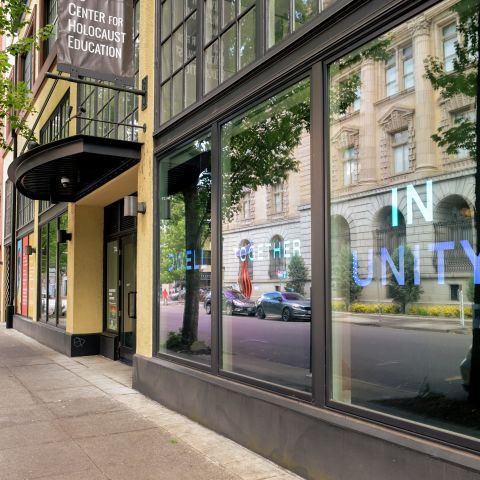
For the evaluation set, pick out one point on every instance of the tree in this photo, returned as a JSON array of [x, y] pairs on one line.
[[342, 276], [15, 97], [297, 274], [409, 292], [464, 79]]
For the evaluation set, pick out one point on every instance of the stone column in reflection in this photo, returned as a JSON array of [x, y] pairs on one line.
[[368, 130], [424, 100]]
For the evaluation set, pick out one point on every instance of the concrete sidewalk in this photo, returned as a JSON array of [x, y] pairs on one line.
[[406, 322], [79, 419]]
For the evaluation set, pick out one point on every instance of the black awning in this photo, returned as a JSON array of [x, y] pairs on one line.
[[83, 162]]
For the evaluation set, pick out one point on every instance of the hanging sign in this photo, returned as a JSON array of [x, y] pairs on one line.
[[95, 39]]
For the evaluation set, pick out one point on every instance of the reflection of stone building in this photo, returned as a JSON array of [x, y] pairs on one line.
[[384, 143], [272, 225]]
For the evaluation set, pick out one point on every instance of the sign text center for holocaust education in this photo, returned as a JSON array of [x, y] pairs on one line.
[[95, 38]]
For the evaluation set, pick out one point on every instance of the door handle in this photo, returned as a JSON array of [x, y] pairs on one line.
[[132, 304]]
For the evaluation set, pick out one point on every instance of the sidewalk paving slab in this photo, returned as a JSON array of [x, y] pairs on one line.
[[79, 419]]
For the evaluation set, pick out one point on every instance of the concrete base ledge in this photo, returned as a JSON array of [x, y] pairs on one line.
[[72, 345], [315, 443]]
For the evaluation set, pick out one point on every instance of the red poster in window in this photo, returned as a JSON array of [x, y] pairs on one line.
[[24, 277]]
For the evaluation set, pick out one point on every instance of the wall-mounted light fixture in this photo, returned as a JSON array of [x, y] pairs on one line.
[[63, 236], [29, 250], [131, 206]]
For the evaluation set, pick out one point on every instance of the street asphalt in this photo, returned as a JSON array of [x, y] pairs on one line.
[[79, 419]]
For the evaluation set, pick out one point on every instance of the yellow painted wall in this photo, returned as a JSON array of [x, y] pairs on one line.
[[145, 260], [85, 269]]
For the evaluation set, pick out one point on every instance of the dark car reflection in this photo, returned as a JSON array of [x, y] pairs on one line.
[[234, 302], [288, 305]]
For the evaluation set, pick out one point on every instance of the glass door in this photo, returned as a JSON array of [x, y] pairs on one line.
[[128, 300]]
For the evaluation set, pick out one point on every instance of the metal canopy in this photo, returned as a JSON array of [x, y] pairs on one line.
[[66, 170]]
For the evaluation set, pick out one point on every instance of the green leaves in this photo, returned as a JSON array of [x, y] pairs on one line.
[[462, 80], [15, 98]]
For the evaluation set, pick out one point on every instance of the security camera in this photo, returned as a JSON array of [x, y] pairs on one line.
[[65, 181]]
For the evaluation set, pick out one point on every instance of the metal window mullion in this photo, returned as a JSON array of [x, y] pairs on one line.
[[260, 28], [292, 17], [200, 58]]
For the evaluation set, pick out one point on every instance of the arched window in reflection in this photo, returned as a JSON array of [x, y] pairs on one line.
[[277, 265], [453, 222], [386, 234]]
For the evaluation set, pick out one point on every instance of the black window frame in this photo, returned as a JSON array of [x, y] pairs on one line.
[[57, 125], [48, 216], [372, 19]]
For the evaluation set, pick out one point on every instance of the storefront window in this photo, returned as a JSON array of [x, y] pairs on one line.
[[53, 273], [25, 274], [266, 302], [185, 252], [406, 279]]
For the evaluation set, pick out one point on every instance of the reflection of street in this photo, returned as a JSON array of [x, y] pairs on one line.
[[382, 367]]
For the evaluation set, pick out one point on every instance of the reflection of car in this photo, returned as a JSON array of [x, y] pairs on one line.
[[288, 305], [180, 295], [234, 302], [465, 367]]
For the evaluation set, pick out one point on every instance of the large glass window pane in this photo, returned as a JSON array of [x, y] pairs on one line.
[[166, 59], [229, 53], [278, 20], [191, 40], [266, 264], [185, 246], [177, 43], [211, 19], [404, 238], [112, 286], [229, 11], [305, 10], [62, 275], [190, 83], [177, 94], [166, 18], [177, 12], [52, 272], [43, 272], [211, 67], [247, 39], [166, 102]]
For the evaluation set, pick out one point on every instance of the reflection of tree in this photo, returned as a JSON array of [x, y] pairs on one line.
[[465, 134], [259, 147], [408, 292], [342, 276], [297, 274]]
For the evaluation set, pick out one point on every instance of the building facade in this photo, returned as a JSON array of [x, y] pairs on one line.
[[299, 270]]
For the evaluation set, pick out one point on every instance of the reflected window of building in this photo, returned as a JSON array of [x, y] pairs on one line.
[[260, 153], [400, 151], [449, 40], [418, 267], [391, 76], [277, 197], [185, 252], [278, 264], [229, 39], [408, 67], [350, 166]]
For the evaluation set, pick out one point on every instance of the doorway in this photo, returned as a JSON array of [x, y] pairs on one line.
[[120, 281]]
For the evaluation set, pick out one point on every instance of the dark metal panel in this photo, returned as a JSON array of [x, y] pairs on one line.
[[216, 255], [315, 443], [319, 259]]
